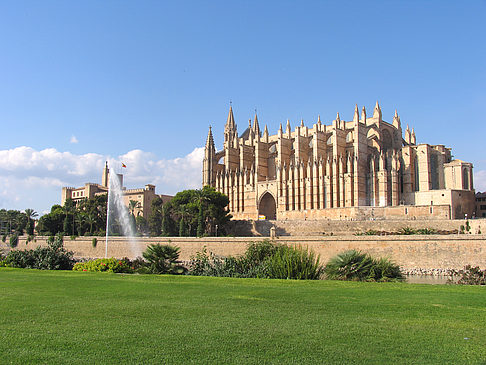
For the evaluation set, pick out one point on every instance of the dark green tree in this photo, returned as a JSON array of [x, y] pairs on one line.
[[197, 212], [155, 217]]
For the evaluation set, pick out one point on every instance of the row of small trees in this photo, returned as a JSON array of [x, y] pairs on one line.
[[190, 213], [14, 222], [200, 212]]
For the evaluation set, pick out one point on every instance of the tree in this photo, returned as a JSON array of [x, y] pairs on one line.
[[132, 205], [141, 224], [197, 212], [163, 259], [155, 217], [91, 219], [30, 214]]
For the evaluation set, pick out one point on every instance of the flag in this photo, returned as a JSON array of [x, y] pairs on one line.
[[123, 165]]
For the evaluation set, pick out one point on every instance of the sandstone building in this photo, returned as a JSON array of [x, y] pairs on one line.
[[481, 205], [143, 196], [365, 168]]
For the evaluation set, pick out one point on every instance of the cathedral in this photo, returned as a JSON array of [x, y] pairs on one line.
[[365, 168]]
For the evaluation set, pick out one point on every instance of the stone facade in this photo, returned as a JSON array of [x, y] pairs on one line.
[[481, 205], [330, 171], [143, 196]]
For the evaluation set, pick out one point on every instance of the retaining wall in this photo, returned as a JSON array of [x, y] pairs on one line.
[[301, 227], [410, 252]]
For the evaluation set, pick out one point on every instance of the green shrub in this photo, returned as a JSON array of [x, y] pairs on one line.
[[407, 231], [472, 276], [73, 238], [94, 242], [14, 240], [52, 257], [4, 238], [294, 263], [261, 260], [163, 259], [358, 266], [29, 239], [427, 231], [102, 265]]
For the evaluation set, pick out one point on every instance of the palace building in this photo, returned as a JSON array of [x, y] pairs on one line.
[[365, 168], [143, 196]]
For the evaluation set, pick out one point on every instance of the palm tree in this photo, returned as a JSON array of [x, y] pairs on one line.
[[132, 205], [31, 214], [91, 219]]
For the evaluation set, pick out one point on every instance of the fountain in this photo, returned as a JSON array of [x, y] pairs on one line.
[[118, 216]]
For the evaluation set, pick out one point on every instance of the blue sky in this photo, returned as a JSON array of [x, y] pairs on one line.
[[140, 81]]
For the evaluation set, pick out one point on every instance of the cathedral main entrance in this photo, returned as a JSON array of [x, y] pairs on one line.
[[267, 206]]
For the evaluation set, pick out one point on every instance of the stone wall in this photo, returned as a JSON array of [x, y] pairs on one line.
[[345, 227], [410, 252]]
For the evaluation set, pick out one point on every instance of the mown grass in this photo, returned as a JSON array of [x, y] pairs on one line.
[[86, 318]]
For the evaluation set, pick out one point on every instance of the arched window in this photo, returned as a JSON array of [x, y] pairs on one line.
[[465, 179], [416, 185]]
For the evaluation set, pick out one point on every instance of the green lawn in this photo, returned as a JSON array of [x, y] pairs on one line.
[[85, 318]]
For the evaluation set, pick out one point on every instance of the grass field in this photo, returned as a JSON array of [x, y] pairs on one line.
[[85, 318]]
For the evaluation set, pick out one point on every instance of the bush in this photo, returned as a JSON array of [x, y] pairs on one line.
[[250, 265], [472, 276], [294, 263], [163, 259], [407, 231], [104, 265], [52, 257], [4, 238], [357, 266], [427, 231], [14, 240], [94, 242], [261, 260]]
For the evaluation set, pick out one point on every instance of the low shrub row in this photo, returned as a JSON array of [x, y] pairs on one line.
[[52, 257], [404, 231], [261, 260], [101, 265]]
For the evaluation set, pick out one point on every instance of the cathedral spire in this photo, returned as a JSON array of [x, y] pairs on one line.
[[210, 139], [408, 137], [302, 123], [265, 134], [363, 115], [230, 122], [396, 120], [256, 127], [377, 112], [230, 127], [356, 114], [287, 129]]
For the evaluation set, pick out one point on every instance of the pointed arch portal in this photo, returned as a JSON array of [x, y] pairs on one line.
[[268, 207]]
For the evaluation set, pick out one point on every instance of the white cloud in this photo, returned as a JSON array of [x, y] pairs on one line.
[[33, 179], [480, 180], [73, 139]]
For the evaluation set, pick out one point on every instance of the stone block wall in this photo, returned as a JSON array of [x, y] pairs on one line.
[[410, 252]]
